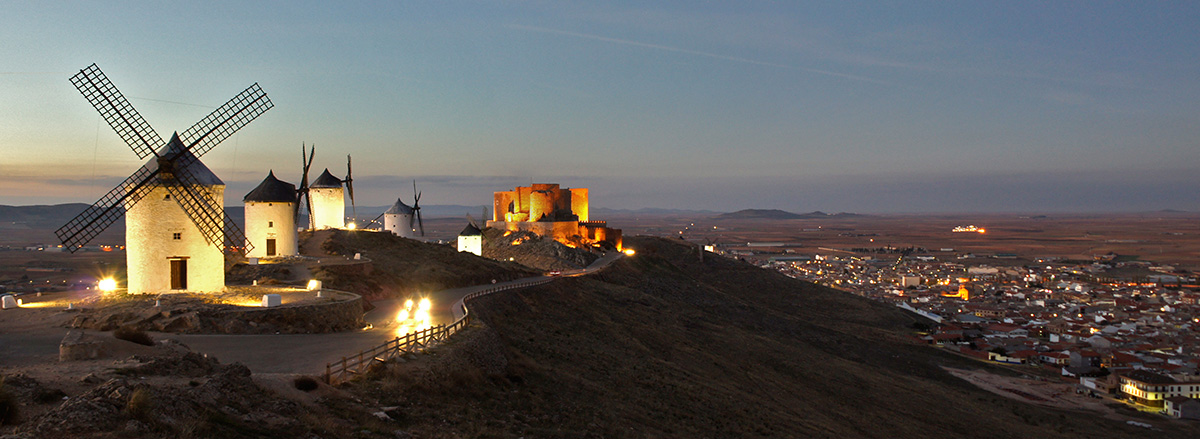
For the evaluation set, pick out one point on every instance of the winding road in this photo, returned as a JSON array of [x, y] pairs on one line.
[[309, 353]]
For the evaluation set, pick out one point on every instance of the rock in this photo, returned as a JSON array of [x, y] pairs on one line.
[[78, 345]]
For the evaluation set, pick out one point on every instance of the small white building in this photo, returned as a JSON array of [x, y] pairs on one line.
[[271, 218], [398, 219], [328, 202], [471, 240], [164, 250]]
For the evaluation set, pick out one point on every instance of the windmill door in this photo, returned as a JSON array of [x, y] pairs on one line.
[[179, 274], [270, 247]]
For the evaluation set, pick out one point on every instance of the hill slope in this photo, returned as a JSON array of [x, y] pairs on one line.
[[660, 345]]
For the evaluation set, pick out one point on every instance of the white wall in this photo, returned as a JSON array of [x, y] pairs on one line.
[[150, 245], [472, 244], [274, 220], [329, 208], [398, 224]]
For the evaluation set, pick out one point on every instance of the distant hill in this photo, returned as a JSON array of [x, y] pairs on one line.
[[57, 214], [600, 212], [776, 214]]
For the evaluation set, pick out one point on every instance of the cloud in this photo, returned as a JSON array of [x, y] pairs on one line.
[[694, 52]]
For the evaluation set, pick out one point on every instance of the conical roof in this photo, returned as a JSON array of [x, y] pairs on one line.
[[471, 230], [272, 190], [326, 180], [399, 209], [175, 149]]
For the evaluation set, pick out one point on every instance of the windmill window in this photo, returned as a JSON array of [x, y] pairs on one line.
[[270, 223], [177, 236], [168, 197]]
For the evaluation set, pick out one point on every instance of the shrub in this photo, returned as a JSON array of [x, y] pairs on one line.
[[139, 403], [305, 383], [133, 334], [9, 409]]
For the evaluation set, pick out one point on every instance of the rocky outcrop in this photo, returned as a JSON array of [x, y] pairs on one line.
[[179, 314], [77, 346]]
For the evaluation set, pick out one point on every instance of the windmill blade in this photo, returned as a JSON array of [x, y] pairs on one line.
[[107, 210], [350, 187], [117, 111], [420, 224], [235, 239], [208, 217], [302, 191], [226, 120]]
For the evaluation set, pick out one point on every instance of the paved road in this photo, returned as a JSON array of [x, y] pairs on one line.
[[309, 353]]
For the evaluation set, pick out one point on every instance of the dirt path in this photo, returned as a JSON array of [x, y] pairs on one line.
[[1044, 393]]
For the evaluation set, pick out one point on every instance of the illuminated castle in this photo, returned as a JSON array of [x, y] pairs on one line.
[[550, 211]]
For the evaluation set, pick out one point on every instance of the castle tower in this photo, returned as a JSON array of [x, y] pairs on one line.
[[328, 202], [164, 250], [398, 219], [471, 240], [271, 218]]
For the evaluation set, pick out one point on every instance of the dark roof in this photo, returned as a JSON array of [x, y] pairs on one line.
[[399, 209], [1149, 377], [326, 180], [200, 172], [471, 230], [272, 190]]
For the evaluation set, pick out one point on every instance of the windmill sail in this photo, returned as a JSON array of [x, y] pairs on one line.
[[117, 111]]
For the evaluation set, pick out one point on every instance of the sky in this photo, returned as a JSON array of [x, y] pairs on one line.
[[870, 107]]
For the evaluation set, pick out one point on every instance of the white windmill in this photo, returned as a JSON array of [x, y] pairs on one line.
[[404, 220], [271, 218], [327, 199], [176, 230]]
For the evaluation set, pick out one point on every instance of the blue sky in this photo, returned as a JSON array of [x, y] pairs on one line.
[[834, 106]]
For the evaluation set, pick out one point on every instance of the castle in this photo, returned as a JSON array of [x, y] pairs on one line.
[[554, 212]]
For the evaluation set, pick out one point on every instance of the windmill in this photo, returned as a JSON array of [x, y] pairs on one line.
[[328, 201], [471, 238], [185, 221], [349, 181], [402, 219], [302, 191]]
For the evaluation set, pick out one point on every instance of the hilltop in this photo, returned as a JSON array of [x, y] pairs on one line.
[[661, 345]]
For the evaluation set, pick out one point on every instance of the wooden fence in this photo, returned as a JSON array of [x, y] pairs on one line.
[[350, 367]]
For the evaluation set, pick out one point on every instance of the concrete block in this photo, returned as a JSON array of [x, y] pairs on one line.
[[271, 300], [8, 301]]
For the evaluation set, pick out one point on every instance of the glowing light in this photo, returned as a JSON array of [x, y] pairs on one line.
[[314, 284], [412, 319], [107, 285], [982, 231], [351, 226], [629, 252]]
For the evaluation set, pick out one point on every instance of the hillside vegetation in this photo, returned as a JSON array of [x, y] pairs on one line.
[[662, 345]]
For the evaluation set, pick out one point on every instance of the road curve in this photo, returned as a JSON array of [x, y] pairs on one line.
[[309, 353]]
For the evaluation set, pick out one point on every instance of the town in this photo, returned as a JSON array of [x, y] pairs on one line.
[[1122, 329]]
